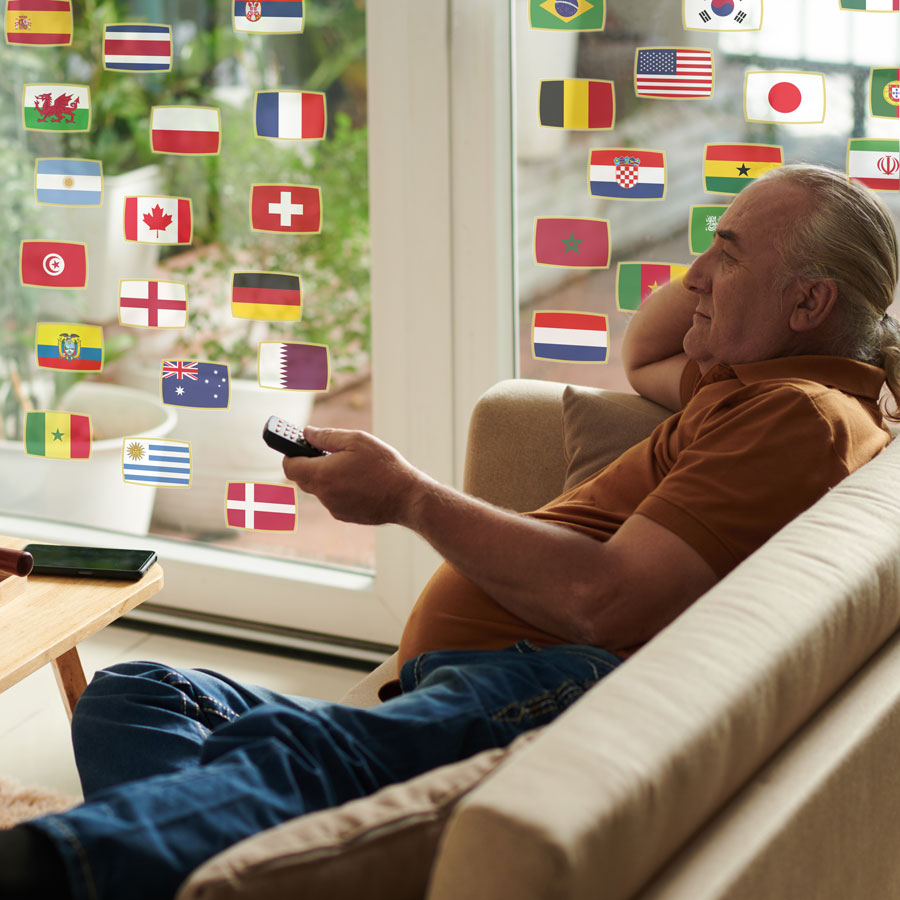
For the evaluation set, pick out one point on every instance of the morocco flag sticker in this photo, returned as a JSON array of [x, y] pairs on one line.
[[158, 220], [56, 264], [576, 243]]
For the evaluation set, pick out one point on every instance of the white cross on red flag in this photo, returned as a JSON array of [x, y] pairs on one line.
[[286, 208], [261, 506]]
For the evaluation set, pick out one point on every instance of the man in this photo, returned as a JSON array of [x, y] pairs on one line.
[[771, 350]]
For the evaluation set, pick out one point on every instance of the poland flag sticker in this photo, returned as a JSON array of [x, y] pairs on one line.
[[797, 98]]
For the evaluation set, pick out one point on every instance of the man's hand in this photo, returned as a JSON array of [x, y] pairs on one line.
[[363, 480]]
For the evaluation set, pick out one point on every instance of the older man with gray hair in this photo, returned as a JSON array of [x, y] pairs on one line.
[[774, 351]]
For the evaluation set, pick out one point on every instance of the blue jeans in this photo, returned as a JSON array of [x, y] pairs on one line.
[[177, 765]]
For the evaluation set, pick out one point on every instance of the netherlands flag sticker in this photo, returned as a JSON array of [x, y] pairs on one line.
[[569, 336]]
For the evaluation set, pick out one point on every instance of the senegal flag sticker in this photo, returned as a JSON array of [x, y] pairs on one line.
[[58, 435]]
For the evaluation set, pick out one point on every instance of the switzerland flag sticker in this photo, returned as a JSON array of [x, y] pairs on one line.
[[158, 220]]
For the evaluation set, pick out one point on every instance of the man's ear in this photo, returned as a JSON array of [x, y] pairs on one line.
[[814, 302]]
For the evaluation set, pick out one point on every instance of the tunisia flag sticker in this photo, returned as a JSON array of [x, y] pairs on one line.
[[158, 220]]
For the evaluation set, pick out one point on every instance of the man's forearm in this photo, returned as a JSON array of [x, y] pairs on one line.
[[547, 574]]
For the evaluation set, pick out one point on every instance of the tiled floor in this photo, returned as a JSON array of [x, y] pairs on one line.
[[34, 732]]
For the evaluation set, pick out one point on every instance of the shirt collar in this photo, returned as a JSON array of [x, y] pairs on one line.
[[847, 375]]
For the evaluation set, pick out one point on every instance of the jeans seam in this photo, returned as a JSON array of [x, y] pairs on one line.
[[192, 708], [71, 838], [542, 704]]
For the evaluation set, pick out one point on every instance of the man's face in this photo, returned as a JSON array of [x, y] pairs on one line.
[[741, 315]]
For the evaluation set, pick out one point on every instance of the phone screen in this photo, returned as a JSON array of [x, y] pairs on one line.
[[99, 562]]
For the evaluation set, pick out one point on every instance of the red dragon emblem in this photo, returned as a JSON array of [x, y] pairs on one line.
[[253, 11], [59, 109]]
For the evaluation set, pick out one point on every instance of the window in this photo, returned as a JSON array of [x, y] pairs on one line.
[[552, 163]]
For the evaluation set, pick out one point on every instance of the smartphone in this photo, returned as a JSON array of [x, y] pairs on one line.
[[94, 562]]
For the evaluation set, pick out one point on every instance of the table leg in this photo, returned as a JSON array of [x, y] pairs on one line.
[[70, 678]]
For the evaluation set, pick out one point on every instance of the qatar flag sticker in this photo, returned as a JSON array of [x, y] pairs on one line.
[[261, 506], [796, 98]]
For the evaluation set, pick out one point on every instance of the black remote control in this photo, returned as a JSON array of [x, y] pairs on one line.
[[288, 439]]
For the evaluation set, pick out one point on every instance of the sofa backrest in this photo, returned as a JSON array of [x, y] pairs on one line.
[[603, 797]]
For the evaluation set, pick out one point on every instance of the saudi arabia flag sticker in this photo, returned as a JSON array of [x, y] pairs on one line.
[[56, 107]]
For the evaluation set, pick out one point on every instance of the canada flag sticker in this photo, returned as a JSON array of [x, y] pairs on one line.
[[158, 220]]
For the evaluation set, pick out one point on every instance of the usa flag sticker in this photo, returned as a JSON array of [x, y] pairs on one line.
[[260, 506], [563, 336]]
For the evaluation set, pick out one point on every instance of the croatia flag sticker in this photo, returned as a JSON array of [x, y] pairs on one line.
[[569, 336], [261, 506]]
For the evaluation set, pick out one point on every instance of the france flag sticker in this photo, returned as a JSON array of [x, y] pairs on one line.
[[68, 182]]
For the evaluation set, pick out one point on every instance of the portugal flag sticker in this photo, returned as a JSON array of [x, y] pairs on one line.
[[574, 243], [58, 435], [791, 97], [56, 264], [43, 23], [884, 93]]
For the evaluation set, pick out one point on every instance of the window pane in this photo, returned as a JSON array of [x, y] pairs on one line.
[[552, 163], [216, 70]]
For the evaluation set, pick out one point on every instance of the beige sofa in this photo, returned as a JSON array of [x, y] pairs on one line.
[[751, 750]]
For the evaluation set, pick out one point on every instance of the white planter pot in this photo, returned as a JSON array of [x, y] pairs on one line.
[[110, 257], [226, 445], [93, 491]]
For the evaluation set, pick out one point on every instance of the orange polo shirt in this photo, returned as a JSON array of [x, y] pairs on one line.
[[753, 446]]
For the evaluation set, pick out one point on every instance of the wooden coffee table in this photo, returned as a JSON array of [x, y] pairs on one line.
[[46, 620]]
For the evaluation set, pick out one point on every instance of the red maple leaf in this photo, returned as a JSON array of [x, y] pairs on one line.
[[157, 219]]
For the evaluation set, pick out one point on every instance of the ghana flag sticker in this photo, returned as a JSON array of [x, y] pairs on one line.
[[729, 168]]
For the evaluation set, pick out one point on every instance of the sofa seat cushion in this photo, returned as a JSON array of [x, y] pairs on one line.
[[376, 847]]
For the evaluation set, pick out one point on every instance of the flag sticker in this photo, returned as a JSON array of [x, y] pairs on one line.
[[41, 23], [269, 16], [185, 130], [261, 506], [872, 5], [290, 115], [729, 168], [702, 229], [884, 93], [135, 47], [156, 462], [153, 304], [874, 163], [68, 182], [722, 15], [569, 336], [57, 435], [575, 243], [271, 296], [635, 281], [797, 98], [577, 103], [69, 347], [56, 264], [673, 73], [56, 107], [199, 385], [292, 366], [568, 15], [158, 220], [286, 208], [627, 174]]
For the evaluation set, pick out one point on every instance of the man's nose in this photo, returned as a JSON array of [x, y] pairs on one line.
[[697, 278]]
